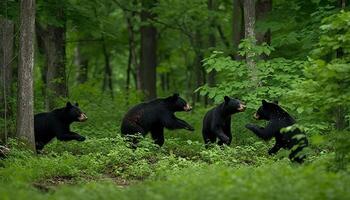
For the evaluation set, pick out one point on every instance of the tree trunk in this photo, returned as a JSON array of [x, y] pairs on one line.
[[132, 60], [198, 67], [53, 38], [25, 115], [82, 63], [237, 25], [41, 49], [107, 78], [148, 51], [249, 24], [263, 7], [6, 58], [340, 112], [212, 42]]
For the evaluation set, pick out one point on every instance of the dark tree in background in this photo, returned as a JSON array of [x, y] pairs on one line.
[[81, 62], [25, 104], [263, 7], [237, 24], [148, 50], [52, 36], [108, 73], [6, 70]]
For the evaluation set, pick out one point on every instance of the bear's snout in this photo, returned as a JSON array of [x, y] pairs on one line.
[[82, 117], [241, 107], [187, 108], [256, 116]]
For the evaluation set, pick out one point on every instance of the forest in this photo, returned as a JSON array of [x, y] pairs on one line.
[[87, 88]]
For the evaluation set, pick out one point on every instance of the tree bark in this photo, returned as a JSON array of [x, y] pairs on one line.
[[263, 7], [6, 70], [212, 42], [237, 25], [148, 51], [340, 111], [249, 24], [198, 67], [108, 74], [81, 62], [41, 50], [25, 115], [53, 38], [132, 60]]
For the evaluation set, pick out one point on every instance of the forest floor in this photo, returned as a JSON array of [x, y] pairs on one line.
[[104, 167]]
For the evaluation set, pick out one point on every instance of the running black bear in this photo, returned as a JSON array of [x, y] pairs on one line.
[[56, 124], [217, 121], [278, 118], [153, 116]]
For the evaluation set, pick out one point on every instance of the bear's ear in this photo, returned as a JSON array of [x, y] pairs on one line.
[[175, 96], [227, 99], [76, 104], [264, 103], [68, 105]]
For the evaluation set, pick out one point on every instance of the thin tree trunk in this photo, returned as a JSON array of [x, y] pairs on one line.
[[55, 53], [237, 25], [263, 8], [56, 71], [25, 115], [199, 70], [212, 41], [132, 60], [340, 111], [6, 58], [148, 51], [41, 49], [82, 63], [249, 23], [107, 78]]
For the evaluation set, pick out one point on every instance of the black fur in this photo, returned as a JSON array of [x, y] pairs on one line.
[[278, 118], [217, 121], [56, 124], [154, 116]]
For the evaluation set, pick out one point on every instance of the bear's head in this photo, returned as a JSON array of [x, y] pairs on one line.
[[232, 106], [176, 103], [267, 109], [74, 113]]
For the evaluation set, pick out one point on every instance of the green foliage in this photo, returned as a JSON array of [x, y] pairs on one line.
[[314, 89], [326, 74], [275, 75]]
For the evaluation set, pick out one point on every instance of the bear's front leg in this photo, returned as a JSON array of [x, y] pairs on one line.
[[223, 139], [78, 137], [274, 149], [184, 124], [70, 136], [175, 123], [261, 132]]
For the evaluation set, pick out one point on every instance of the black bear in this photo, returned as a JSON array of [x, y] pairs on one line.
[[153, 116], [56, 124], [278, 118], [217, 121]]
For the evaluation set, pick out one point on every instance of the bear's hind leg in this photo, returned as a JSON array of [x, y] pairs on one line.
[[158, 135]]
